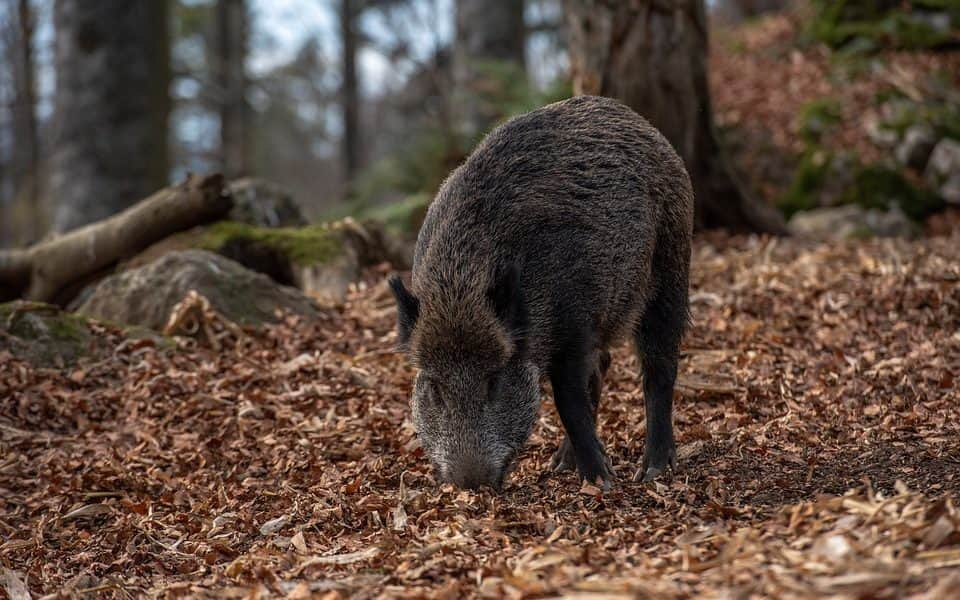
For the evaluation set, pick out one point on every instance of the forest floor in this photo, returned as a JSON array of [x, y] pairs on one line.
[[763, 76], [817, 418]]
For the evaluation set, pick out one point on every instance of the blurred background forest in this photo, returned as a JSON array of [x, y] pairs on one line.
[[340, 101], [363, 106]]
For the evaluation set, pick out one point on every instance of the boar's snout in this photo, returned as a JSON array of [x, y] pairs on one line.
[[471, 473]]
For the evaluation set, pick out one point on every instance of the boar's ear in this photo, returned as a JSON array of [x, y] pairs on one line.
[[507, 299], [408, 309]]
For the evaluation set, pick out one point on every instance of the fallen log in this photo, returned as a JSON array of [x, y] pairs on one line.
[[41, 271]]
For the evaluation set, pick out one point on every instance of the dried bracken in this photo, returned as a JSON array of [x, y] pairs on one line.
[[817, 418]]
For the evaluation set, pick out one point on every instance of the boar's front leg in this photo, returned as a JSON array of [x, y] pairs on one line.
[[564, 459], [658, 346], [570, 374]]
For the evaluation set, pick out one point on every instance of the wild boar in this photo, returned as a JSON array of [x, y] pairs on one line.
[[565, 230]]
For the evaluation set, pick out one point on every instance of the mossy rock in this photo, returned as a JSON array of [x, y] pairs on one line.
[[44, 334], [818, 117], [146, 295], [275, 252], [48, 336], [881, 187], [320, 259], [869, 25], [823, 179], [809, 181], [941, 115]]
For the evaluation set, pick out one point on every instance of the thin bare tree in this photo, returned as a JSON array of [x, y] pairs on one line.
[[231, 79]]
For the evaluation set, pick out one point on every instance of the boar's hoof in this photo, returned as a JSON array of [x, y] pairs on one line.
[[606, 479], [564, 459], [655, 466], [599, 474]]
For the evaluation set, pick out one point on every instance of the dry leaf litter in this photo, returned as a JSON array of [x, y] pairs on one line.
[[817, 415]]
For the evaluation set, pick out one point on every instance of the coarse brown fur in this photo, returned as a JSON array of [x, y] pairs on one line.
[[566, 229]]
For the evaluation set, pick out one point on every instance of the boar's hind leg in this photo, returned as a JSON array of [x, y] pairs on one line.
[[564, 458], [570, 375], [658, 345]]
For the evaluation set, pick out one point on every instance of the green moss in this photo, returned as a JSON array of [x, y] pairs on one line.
[[30, 320], [48, 333], [808, 181], [817, 117], [878, 186], [868, 25], [871, 186], [44, 334], [314, 244], [943, 116]]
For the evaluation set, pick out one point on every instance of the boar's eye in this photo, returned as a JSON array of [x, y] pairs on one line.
[[493, 386], [433, 392]]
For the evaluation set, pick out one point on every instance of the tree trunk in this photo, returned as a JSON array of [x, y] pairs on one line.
[[232, 83], [349, 94], [26, 147], [755, 8], [651, 55], [40, 272], [489, 33], [112, 104], [736, 11]]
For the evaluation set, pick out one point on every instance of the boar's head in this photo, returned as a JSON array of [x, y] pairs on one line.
[[475, 399]]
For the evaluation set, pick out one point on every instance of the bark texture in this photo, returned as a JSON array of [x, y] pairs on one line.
[[26, 151], [232, 87], [487, 32], [746, 9], [651, 55], [349, 94], [40, 272], [112, 105]]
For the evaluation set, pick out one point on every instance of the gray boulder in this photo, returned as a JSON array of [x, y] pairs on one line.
[[47, 336], [851, 221], [147, 295], [263, 204], [944, 162], [950, 190], [44, 335], [939, 22], [917, 144]]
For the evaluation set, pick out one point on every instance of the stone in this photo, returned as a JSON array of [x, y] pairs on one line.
[[263, 203], [880, 135], [46, 335], [939, 21], [322, 260], [950, 190], [915, 147], [850, 221], [146, 295], [944, 162]]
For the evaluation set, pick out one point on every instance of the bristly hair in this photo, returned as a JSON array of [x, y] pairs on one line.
[[506, 298]]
